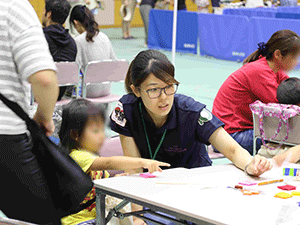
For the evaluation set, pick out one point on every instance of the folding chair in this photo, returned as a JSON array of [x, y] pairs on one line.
[[101, 72], [112, 147], [67, 75], [271, 125]]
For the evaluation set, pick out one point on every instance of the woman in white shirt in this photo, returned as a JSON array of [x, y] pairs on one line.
[[92, 45]]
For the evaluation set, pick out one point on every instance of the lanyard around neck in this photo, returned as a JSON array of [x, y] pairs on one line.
[[148, 143]]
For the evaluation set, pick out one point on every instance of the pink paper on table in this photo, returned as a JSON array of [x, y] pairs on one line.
[[287, 187], [147, 175], [247, 183]]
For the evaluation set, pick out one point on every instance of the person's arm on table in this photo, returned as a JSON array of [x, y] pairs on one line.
[[130, 149], [291, 155], [45, 90], [127, 163], [241, 158]]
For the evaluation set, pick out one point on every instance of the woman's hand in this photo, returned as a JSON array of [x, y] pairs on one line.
[[153, 165], [258, 165], [47, 126]]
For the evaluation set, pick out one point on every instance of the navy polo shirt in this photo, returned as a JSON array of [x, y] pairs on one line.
[[189, 126]]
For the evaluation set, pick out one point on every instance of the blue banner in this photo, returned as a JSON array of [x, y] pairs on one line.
[[288, 9], [224, 36], [251, 12], [263, 28], [161, 30], [285, 15]]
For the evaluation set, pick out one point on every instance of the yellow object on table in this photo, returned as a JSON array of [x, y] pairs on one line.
[[296, 193], [283, 195]]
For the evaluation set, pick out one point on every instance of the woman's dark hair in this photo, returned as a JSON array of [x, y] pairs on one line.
[[83, 15], [149, 62], [288, 92], [74, 118], [286, 41]]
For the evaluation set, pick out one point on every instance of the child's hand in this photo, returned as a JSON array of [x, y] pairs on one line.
[[153, 165], [258, 165], [121, 174]]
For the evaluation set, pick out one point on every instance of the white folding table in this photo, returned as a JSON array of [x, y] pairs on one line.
[[202, 195]]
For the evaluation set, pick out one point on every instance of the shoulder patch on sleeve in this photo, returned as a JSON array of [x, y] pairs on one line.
[[118, 115], [205, 116]]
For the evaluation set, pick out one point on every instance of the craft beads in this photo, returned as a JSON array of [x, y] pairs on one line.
[[290, 171]]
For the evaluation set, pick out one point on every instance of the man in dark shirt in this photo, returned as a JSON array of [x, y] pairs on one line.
[[62, 46]]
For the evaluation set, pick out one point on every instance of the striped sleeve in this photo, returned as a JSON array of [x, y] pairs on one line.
[[24, 30]]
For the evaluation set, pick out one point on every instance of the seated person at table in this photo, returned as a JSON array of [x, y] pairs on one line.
[[92, 45], [82, 133], [288, 92], [258, 79], [155, 123]]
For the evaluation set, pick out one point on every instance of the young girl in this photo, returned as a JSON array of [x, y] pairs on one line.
[[258, 79], [82, 133], [92, 45], [155, 123]]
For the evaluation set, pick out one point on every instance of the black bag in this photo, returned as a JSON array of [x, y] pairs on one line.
[[67, 182]]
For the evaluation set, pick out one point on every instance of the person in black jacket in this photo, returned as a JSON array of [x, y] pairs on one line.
[[62, 46]]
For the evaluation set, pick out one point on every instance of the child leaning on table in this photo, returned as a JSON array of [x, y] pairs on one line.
[[82, 133], [288, 92]]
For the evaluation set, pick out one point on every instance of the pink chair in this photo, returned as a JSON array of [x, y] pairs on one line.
[[67, 75], [102, 72], [112, 147]]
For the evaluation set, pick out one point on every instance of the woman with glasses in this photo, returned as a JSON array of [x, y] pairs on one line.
[[155, 123]]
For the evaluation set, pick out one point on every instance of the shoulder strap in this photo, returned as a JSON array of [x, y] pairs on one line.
[[15, 108], [23, 115], [83, 206]]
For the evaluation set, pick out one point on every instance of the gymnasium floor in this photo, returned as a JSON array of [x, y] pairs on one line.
[[200, 76]]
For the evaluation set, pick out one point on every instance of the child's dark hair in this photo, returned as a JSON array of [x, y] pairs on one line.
[[83, 15], [149, 62], [59, 10], [286, 41], [288, 92], [74, 118]]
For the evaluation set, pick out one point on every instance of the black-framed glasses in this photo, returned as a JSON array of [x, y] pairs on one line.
[[156, 92]]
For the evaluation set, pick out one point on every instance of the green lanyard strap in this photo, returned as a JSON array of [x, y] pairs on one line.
[[148, 143]]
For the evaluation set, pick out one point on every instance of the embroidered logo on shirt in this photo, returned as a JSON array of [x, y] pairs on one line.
[[205, 116], [118, 115], [175, 149]]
